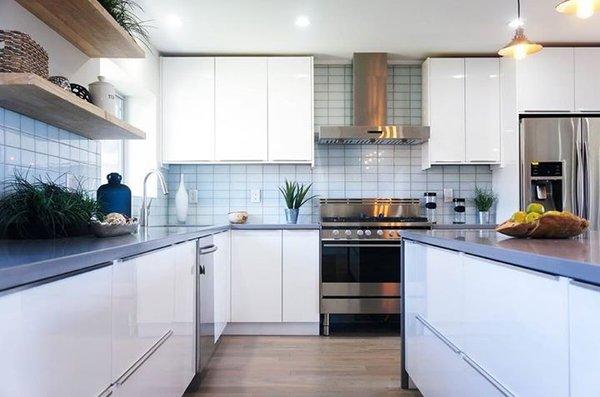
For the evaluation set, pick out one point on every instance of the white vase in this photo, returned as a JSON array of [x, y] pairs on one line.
[[181, 202]]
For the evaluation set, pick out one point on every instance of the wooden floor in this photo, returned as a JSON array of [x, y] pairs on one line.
[[264, 366]]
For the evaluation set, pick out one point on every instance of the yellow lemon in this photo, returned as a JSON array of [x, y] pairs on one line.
[[533, 216], [535, 208], [518, 217], [557, 213]]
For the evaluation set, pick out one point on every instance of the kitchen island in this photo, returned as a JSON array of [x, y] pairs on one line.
[[485, 314]]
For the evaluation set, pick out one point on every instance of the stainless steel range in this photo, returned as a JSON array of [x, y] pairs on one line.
[[360, 254]]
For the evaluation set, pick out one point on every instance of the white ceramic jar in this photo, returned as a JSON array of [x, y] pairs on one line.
[[103, 95]]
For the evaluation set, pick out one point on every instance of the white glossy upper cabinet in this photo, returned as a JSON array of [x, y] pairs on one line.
[[545, 81], [444, 110], [55, 338], [256, 276], [587, 83], [241, 109], [584, 312], [222, 264], [188, 89], [300, 267], [482, 109], [290, 91]]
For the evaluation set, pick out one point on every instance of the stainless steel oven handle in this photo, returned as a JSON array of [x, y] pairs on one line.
[[364, 245]]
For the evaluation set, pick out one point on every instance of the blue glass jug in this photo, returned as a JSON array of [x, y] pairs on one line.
[[114, 196]]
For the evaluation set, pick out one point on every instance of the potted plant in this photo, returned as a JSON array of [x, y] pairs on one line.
[[294, 195], [44, 209], [484, 200]]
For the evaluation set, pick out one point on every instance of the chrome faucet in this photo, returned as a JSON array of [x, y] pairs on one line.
[[145, 210]]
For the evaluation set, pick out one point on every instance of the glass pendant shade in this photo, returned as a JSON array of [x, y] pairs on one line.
[[581, 8], [520, 46]]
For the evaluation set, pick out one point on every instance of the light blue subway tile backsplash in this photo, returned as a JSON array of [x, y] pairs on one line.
[[341, 171]]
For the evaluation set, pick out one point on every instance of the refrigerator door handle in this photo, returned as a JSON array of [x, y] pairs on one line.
[[576, 168], [585, 154]]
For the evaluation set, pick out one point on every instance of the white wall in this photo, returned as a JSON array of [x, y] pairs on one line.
[[505, 178]]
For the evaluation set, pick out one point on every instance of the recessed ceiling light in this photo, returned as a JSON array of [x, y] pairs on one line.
[[174, 21], [516, 23], [302, 21]]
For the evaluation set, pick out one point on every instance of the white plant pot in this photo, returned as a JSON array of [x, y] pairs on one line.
[[181, 202]]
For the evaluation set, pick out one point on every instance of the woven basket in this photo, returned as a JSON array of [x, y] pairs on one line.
[[20, 54]]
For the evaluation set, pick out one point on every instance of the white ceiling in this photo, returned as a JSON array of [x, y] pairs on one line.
[[407, 30]]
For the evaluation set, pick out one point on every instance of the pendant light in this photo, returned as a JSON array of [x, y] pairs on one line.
[[582, 8], [520, 46]]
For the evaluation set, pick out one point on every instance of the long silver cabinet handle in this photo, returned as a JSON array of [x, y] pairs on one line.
[[361, 245], [591, 287], [437, 333], [207, 250], [106, 392], [127, 374], [487, 376]]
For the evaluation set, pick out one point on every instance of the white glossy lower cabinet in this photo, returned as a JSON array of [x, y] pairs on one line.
[[222, 280], [516, 326], [55, 338], [256, 276], [162, 374], [438, 368], [584, 312], [300, 267]]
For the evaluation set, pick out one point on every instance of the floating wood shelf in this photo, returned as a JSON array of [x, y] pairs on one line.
[[87, 25], [42, 100]]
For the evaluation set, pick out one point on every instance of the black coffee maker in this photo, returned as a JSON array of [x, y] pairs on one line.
[[546, 184]]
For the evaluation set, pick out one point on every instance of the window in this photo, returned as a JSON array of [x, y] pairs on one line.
[[111, 152]]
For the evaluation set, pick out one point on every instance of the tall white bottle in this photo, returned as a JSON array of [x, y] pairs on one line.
[[181, 201]]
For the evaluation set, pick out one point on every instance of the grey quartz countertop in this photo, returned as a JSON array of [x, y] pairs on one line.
[[577, 258], [465, 226], [28, 261]]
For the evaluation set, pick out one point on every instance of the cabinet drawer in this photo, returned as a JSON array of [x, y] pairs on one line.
[[162, 373], [516, 326], [438, 368]]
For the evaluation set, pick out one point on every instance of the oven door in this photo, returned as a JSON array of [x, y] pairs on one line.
[[360, 269]]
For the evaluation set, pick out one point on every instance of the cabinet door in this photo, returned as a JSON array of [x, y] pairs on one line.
[[516, 327], [290, 91], [300, 268], [482, 95], [55, 338], [143, 306], [587, 84], [188, 87], [256, 276], [446, 109], [584, 311], [545, 81], [184, 321], [241, 109], [444, 298], [222, 283]]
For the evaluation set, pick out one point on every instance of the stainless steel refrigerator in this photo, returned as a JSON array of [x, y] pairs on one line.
[[560, 164]]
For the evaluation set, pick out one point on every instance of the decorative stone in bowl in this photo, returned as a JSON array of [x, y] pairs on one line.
[[238, 217]]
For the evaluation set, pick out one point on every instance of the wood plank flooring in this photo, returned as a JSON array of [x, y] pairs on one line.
[[289, 366]]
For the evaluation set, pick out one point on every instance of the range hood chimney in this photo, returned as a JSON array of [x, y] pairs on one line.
[[370, 72]]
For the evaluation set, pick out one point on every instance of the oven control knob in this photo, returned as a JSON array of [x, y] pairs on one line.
[[359, 232], [380, 232], [348, 233], [335, 233], [391, 233], [367, 232]]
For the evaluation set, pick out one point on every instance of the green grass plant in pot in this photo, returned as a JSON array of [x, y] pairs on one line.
[[43, 209], [484, 201], [294, 195]]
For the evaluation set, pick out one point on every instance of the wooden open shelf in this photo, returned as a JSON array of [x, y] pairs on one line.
[[40, 99], [87, 25]]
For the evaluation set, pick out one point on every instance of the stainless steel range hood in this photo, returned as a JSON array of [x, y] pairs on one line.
[[370, 109]]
